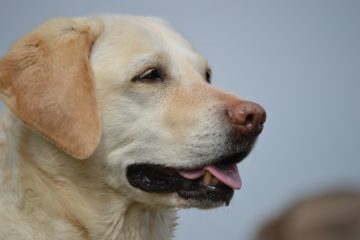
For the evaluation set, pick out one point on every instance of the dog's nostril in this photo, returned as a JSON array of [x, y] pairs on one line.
[[249, 120]]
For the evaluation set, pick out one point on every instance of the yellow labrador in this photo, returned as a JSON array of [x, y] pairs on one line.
[[111, 123]]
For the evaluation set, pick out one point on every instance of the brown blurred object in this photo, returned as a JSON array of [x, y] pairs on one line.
[[334, 216]]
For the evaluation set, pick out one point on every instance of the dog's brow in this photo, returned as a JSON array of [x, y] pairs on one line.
[[152, 60], [203, 62]]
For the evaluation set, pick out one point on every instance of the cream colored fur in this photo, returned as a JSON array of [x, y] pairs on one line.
[[46, 191]]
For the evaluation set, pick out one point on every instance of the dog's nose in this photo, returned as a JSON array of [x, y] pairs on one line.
[[248, 117]]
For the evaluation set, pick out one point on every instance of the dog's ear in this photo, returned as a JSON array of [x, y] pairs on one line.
[[47, 81]]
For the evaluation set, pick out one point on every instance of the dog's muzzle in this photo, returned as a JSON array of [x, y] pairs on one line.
[[212, 182]]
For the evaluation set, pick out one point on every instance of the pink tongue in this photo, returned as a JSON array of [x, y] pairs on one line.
[[229, 176]]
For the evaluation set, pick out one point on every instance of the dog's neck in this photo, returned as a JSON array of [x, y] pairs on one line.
[[137, 222], [66, 191]]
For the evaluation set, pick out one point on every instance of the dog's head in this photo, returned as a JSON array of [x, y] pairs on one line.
[[134, 95]]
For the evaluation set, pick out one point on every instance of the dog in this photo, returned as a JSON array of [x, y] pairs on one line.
[[110, 125]]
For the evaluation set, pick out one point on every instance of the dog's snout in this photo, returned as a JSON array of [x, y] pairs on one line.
[[248, 117]]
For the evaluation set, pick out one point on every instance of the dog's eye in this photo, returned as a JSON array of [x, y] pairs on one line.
[[150, 75], [208, 76]]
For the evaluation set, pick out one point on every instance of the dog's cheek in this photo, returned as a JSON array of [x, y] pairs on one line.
[[130, 138]]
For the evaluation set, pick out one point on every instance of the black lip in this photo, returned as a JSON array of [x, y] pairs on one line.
[[204, 193], [158, 179], [155, 178]]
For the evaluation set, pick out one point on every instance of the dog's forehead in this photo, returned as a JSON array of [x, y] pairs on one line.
[[132, 36]]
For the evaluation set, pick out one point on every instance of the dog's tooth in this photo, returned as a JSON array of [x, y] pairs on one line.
[[214, 181], [207, 178]]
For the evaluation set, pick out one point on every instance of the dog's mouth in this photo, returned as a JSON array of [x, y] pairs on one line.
[[212, 183]]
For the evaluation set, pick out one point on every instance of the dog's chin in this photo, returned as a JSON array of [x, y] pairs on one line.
[[204, 186]]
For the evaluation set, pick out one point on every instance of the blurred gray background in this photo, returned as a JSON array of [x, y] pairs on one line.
[[299, 59]]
